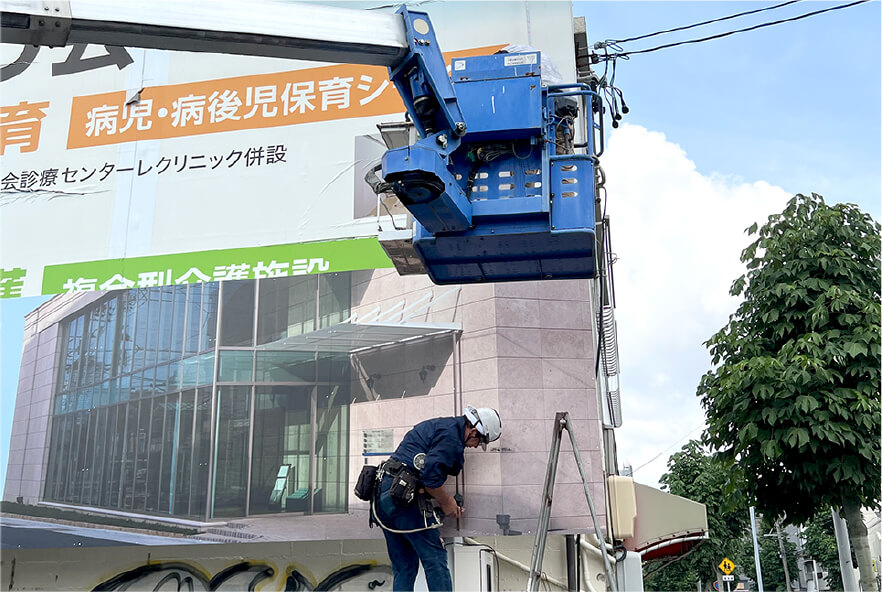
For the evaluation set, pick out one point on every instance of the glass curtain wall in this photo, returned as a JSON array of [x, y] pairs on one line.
[[164, 404]]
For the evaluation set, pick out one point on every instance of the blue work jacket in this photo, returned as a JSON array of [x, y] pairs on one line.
[[442, 440]]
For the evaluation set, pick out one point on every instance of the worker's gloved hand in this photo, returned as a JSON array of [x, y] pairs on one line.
[[451, 508]]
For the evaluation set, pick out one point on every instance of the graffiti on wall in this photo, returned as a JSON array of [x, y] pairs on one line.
[[171, 576]]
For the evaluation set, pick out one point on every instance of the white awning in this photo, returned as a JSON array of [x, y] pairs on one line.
[[354, 337]]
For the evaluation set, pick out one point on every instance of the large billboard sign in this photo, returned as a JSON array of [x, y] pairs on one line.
[[116, 158], [219, 344]]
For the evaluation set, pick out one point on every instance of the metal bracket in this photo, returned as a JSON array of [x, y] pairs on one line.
[[47, 23]]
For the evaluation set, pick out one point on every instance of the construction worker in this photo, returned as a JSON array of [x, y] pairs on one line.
[[412, 477]]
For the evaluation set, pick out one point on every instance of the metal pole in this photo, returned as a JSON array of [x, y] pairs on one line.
[[846, 567], [783, 556], [756, 554]]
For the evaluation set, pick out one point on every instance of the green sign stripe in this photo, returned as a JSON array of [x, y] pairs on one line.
[[317, 257]]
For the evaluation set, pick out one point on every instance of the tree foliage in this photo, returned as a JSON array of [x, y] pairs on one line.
[[694, 474], [820, 545], [793, 402]]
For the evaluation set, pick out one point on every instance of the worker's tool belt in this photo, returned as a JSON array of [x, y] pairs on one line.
[[367, 479], [405, 481]]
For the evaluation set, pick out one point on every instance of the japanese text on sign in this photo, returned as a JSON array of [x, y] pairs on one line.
[[244, 102], [165, 277], [47, 179]]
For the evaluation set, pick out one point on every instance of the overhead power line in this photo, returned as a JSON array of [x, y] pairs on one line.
[[701, 24], [753, 28], [680, 439]]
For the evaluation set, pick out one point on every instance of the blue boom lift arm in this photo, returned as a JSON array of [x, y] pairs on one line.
[[494, 185]]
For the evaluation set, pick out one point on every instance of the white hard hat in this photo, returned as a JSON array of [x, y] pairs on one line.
[[486, 421]]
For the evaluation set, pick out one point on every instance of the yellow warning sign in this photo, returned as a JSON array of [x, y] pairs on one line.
[[726, 566]]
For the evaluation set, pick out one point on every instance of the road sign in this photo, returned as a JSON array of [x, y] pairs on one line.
[[726, 566], [728, 578]]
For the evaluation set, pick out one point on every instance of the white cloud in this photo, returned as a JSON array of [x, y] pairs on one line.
[[678, 235]]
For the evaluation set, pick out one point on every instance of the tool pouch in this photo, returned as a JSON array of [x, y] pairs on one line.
[[367, 479], [405, 485]]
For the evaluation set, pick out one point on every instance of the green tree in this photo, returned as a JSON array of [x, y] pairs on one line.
[[820, 545], [694, 474], [793, 402]]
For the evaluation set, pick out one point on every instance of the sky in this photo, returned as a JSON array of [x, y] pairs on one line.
[[719, 134]]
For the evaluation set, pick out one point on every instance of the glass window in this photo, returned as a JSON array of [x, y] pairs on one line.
[[332, 449], [125, 388], [84, 399], [148, 384], [184, 459], [88, 453], [58, 458], [74, 347], [130, 447], [153, 316], [137, 385], [109, 339], [90, 347], [116, 421], [99, 462], [175, 373], [206, 368], [194, 318], [287, 307], [154, 452], [208, 323], [142, 299], [78, 450], [285, 366], [232, 452], [126, 349], [179, 321], [236, 366], [334, 297], [190, 372], [282, 437], [142, 455], [201, 454], [237, 320], [169, 452], [166, 316], [161, 381]]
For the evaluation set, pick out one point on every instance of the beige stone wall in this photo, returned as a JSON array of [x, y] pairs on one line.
[[525, 349], [29, 440]]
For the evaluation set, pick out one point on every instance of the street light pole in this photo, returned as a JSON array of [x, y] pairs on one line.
[[756, 553], [783, 555], [846, 567]]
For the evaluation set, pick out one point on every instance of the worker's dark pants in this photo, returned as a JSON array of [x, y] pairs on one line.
[[406, 551]]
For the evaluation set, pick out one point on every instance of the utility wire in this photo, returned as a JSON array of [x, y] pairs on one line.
[[692, 431], [716, 20], [760, 26]]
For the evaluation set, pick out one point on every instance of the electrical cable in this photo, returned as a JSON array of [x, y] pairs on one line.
[[716, 20], [744, 30], [692, 431]]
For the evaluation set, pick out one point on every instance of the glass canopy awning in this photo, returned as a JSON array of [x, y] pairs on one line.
[[354, 337]]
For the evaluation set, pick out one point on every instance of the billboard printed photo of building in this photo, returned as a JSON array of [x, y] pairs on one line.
[[226, 344], [236, 400]]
